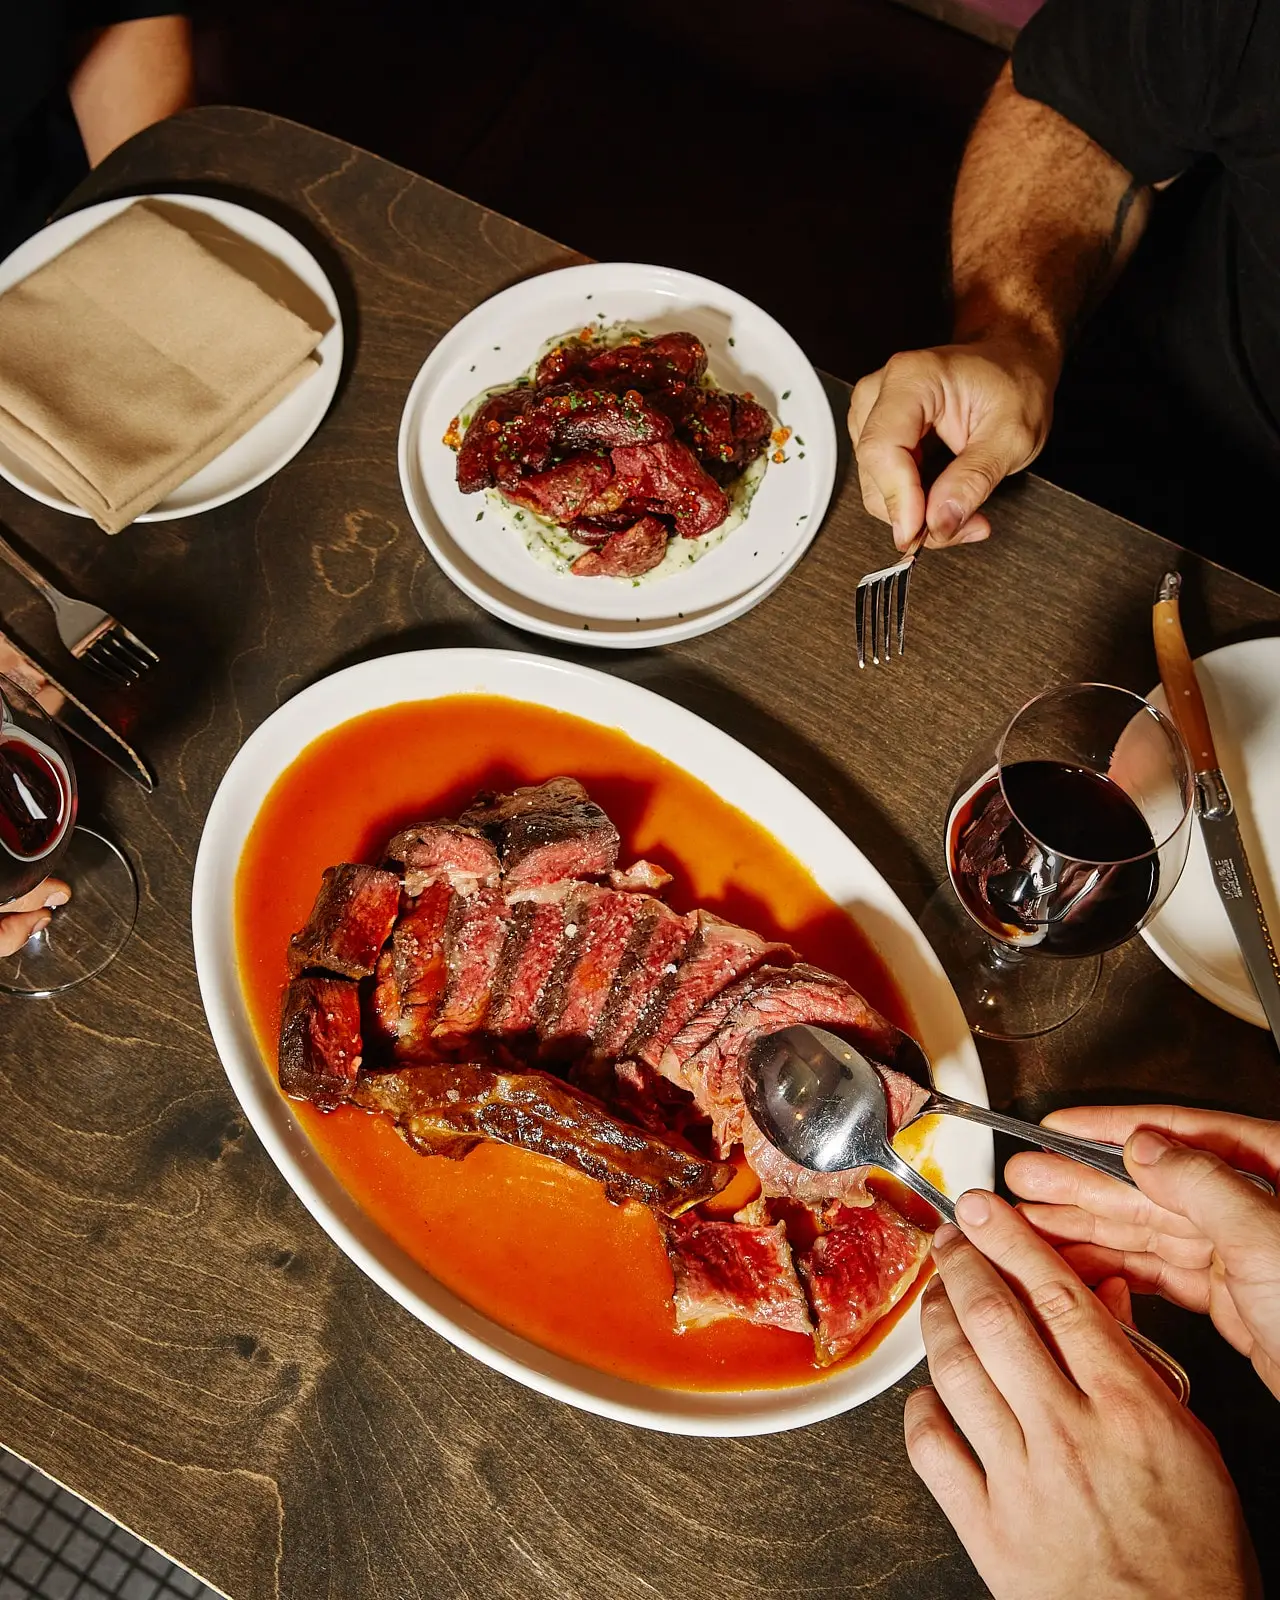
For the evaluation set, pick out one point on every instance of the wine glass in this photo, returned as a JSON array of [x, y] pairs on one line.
[[38, 838], [1067, 832]]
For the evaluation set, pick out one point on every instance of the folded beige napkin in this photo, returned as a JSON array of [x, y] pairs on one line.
[[138, 354]]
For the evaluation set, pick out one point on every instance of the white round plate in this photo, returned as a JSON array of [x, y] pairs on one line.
[[1191, 933], [272, 441], [494, 344], [963, 1151]]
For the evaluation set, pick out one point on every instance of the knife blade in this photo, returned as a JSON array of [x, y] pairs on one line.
[[1232, 876], [72, 714]]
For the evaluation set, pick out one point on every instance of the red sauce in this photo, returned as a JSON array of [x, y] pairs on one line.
[[530, 1243]]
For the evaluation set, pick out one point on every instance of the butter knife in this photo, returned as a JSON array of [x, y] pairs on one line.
[[72, 715], [1231, 872]]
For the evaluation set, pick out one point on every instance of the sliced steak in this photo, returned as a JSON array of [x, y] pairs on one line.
[[349, 923], [856, 1272], [457, 1103], [555, 991], [718, 954], [610, 925], [629, 553], [652, 960], [431, 851], [418, 949], [704, 1024], [383, 1013], [474, 945], [320, 1045], [546, 832], [533, 944], [729, 1269]]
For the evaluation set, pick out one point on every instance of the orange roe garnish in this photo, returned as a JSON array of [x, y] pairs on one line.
[[452, 437], [779, 457], [586, 335], [780, 435]]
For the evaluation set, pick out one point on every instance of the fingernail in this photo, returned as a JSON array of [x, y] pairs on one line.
[[973, 1208], [1147, 1147], [947, 518], [976, 537], [944, 1236], [39, 925], [58, 897]]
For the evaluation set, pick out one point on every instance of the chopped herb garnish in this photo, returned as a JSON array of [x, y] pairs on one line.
[[497, 347], [519, 516], [786, 394], [799, 440], [473, 366], [479, 514], [732, 340], [802, 455], [803, 518], [591, 297], [635, 584]]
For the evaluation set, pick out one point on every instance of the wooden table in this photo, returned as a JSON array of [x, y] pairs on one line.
[[179, 1342]]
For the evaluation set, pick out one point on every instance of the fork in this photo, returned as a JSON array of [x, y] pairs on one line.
[[881, 599], [91, 634]]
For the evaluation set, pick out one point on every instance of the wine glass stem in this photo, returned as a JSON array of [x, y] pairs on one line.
[[1004, 957]]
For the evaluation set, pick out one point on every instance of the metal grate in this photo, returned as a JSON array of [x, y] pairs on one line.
[[55, 1547]]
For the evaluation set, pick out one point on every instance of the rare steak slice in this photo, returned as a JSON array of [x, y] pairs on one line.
[[857, 1271], [528, 959], [447, 1107], [350, 922], [610, 923], [320, 1046], [659, 942], [730, 1269], [546, 832], [789, 995], [431, 851], [704, 1024], [474, 943], [718, 954], [555, 991]]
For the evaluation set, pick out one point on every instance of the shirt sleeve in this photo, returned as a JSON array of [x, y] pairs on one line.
[[1140, 77]]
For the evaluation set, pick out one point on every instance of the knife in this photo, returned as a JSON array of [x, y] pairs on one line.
[[71, 714], [1218, 825]]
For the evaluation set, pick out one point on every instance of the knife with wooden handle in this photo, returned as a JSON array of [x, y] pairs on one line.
[[1231, 872]]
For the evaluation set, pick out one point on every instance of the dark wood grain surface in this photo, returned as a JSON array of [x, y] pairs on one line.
[[179, 1342]]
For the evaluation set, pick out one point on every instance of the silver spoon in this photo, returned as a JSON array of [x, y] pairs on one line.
[[824, 1105]]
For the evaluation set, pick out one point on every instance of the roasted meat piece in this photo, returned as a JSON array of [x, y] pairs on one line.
[[646, 972], [609, 925], [729, 1269], [669, 479], [597, 419], [857, 1271], [726, 432], [495, 448], [446, 1108], [643, 364], [432, 851], [473, 949], [581, 486], [718, 954], [546, 832], [349, 923], [320, 1045], [628, 554], [528, 959]]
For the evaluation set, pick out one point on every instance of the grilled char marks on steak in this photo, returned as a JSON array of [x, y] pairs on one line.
[[528, 958], [730, 1269], [658, 943], [448, 851], [610, 923], [349, 923], [475, 941], [547, 832], [320, 1045], [857, 1271], [717, 955], [451, 1102]]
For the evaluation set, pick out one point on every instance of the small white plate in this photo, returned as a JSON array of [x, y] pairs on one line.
[[1191, 934], [271, 442], [963, 1151], [494, 345]]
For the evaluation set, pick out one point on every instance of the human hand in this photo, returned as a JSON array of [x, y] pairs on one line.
[[989, 401], [19, 919], [1062, 1461], [1193, 1231]]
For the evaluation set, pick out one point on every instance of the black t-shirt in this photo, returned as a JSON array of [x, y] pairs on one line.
[[1187, 89], [41, 154]]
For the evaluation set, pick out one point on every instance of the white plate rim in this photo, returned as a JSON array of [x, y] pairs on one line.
[[1173, 953], [64, 231], [507, 603], [520, 675]]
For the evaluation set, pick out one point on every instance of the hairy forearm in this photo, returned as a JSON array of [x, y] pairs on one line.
[[1043, 220], [131, 75]]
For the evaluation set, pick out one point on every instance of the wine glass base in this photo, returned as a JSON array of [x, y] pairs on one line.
[[86, 934], [1004, 994]]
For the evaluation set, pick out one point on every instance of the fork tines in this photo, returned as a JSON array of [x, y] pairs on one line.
[[880, 612], [116, 653]]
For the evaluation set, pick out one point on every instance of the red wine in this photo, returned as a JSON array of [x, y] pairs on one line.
[[1060, 858], [36, 811]]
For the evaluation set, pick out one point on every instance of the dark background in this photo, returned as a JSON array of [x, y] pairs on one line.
[[802, 152]]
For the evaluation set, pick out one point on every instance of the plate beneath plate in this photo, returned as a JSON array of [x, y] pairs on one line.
[[476, 540], [962, 1150], [271, 442], [1191, 933]]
